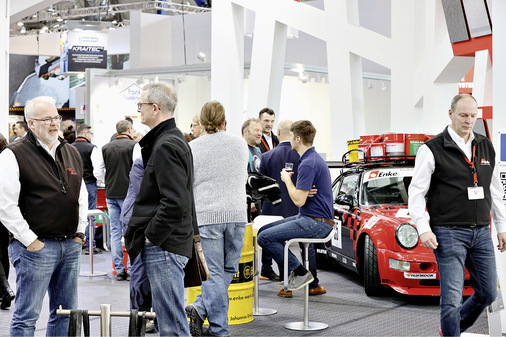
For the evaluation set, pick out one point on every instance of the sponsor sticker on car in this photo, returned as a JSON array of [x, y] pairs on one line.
[[390, 172], [420, 276]]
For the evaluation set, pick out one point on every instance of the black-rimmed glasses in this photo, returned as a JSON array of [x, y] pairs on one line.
[[48, 120], [139, 105]]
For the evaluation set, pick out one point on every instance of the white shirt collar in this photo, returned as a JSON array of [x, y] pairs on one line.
[[465, 147], [52, 152]]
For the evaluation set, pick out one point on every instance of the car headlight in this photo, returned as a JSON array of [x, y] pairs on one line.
[[406, 236]]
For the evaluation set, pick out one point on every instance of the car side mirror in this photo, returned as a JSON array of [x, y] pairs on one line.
[[344, 199]]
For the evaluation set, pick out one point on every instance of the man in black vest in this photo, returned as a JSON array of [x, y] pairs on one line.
[[119, 156], [269, 139], [43, 204], [457, 171], [92, 163]]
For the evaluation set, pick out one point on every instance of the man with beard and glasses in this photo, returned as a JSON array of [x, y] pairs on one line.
[[44, 204]]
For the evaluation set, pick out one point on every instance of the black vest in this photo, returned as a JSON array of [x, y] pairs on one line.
[[85, 148], [118, 163], [49, 196], [447, 200]]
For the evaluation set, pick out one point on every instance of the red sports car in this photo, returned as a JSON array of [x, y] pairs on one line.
[[375, 235]]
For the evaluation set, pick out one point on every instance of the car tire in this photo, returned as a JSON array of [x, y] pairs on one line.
[[372, 281]]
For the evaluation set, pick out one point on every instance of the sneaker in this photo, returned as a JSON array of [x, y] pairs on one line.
[[150, 326], [317, 291], [285, 294], [95, 251], [440, 332], [195, 321], [123, 276], [269, 275], [295, 282]]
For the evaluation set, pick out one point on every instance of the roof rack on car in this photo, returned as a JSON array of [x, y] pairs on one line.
[[368, 161]]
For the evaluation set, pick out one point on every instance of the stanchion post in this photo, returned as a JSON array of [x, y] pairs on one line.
[[105, 320]]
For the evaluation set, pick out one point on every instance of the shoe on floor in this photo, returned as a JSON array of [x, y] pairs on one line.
[[7, 296], [440, 332], [150, 326], [195, 321], [317, 291], [285, 294], [95, 251], [269, 275], [123, 276], [295, 282]]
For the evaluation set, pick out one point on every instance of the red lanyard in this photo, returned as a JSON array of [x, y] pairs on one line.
[[473, 167]]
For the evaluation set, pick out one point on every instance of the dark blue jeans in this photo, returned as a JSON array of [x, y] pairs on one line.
[[460, 248], [92, 204], [53, 269], [273, 239]]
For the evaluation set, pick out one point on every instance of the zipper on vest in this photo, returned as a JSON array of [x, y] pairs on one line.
[[63, 190]]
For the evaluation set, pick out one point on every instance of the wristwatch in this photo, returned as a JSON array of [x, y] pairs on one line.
[[81, 236]]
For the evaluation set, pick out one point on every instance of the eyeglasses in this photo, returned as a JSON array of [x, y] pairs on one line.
[[49, 120], [139, 105]]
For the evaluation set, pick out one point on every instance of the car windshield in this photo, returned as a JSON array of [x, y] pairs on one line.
[[386, 190]]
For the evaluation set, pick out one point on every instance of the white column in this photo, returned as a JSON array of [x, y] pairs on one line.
[[267, 64], [227, 67], [4, 68]]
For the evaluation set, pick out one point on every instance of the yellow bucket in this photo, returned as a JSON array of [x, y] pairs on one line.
[[353, 144], [240, 291]]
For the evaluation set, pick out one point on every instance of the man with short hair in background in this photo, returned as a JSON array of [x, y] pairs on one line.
[[93, 173], [161, 227], [43, 203], [21, 129], [119, 156], [269, 139]]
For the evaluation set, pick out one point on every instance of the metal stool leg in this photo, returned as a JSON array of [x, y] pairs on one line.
[[306, 325], [256, 310], [91, 232]]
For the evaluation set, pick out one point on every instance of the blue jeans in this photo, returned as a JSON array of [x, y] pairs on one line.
[[273, 238], [92, 204], [460, 248], [166, 275], [222, 245], [114, 207], [267, 260], [53, 269]]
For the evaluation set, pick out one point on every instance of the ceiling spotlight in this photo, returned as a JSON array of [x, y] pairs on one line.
[[114, 22], [44, 28], [59, 18], [20, 24], [81, 75], [50, 9], [23, 30]]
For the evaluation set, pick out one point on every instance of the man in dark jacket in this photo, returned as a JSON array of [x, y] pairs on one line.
[[160, 229], [92, 164], [119, 156], [269, 139]]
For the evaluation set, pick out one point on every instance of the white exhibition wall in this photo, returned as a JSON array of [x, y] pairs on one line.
[[113, 98]]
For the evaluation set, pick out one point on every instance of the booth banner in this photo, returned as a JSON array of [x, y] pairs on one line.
[[83, 49]]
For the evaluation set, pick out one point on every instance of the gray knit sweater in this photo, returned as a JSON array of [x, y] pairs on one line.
[[220, 163]]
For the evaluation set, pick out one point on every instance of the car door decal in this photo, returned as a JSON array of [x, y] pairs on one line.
[[336, 239]]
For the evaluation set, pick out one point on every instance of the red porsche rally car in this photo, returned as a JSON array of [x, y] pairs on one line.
[[375, 235]]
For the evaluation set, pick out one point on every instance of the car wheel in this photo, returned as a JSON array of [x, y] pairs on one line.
[[372, 282]]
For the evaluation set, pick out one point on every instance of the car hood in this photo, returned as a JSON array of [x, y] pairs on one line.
[[387, 214]]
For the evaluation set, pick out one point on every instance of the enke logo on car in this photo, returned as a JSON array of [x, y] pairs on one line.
[[378, 174]]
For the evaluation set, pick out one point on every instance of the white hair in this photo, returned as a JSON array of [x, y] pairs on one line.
[[30, 105]]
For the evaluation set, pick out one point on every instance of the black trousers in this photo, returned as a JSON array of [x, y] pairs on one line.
[[4, 255]]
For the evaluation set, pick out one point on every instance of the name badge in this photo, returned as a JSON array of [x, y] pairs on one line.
[[475, 193]]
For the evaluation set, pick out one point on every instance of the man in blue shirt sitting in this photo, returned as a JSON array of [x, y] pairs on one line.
[[315, 218]]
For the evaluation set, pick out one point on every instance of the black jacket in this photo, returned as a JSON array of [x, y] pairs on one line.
[[118, 162], [264, 146], [85, 148], [162, 210], [447, 199]]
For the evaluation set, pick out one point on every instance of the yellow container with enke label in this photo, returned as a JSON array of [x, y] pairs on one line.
[[240, 291], [352, 145]]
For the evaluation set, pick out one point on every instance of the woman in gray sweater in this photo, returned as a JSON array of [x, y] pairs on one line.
[[220, 160]]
